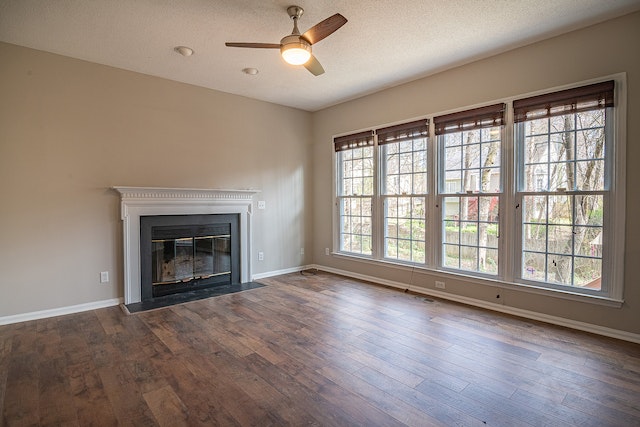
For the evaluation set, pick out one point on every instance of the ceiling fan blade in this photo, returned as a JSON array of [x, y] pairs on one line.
[[254, 45], [314, 66], [324, 28]]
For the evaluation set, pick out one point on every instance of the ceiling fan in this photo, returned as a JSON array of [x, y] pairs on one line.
[[296, 48]]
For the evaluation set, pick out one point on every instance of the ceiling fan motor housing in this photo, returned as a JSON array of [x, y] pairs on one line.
[[295, 49]]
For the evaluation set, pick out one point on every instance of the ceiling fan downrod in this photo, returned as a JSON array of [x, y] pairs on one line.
[[295, 12]]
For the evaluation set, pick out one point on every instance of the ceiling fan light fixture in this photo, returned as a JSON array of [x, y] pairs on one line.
[[295, 50]]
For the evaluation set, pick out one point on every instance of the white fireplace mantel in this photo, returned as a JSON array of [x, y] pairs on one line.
[[147, 201]]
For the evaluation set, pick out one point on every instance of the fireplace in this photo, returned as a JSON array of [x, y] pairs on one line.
[[180, 253], [140, 202]]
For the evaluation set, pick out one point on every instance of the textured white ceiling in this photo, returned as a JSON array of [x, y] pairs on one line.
[[385, 42]]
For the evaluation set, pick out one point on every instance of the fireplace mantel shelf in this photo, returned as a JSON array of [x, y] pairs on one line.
[[150, 193], [139, 201]]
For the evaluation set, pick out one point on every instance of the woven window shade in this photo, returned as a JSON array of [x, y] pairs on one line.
[[403, 132], [356, 140], [489, 116], [584, 98]]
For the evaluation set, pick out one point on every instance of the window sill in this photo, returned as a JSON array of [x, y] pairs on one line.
[[477, 280]]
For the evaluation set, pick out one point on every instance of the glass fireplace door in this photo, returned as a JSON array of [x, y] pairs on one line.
[[185, 259]]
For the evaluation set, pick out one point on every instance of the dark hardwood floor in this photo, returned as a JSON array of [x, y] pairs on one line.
[[313, 350]]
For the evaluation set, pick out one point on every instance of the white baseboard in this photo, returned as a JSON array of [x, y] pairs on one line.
[[560, 321], [35, 315], [279, 272], [43, 314]]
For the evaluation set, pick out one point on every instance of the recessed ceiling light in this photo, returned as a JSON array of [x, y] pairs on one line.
[[250, 71], [184, 50]]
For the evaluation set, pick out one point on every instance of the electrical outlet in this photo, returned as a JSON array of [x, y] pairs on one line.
[[104, 277], [260, 256], [301, 251], [262, 204], [440, 285], [326, 251]]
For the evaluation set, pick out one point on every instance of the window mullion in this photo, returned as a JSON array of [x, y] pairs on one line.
[[508, 230], [377, 220], [434, 202], [612, 277]]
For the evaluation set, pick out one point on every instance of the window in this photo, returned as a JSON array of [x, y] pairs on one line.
[[470, 145], [355, 194], [524, 193], [563, 185], [403, 152]]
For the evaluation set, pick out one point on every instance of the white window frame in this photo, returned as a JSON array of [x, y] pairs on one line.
[[614, 199], [362, 197], [443, 194], [385, 195]]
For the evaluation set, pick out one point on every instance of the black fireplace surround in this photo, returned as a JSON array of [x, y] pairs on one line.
[[182, 253]]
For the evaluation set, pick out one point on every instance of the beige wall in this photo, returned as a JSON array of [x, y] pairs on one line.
[[597, 51], [70, 129]]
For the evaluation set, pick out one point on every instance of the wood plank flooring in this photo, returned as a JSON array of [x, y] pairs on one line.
[[318, 350]]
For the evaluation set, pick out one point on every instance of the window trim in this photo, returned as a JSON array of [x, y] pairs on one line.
[[508, 223]]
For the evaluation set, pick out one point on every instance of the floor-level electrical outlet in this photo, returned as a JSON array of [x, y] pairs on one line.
[[104, 277], [326, 251], [260, 256], [301, 251], [440, 285]]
